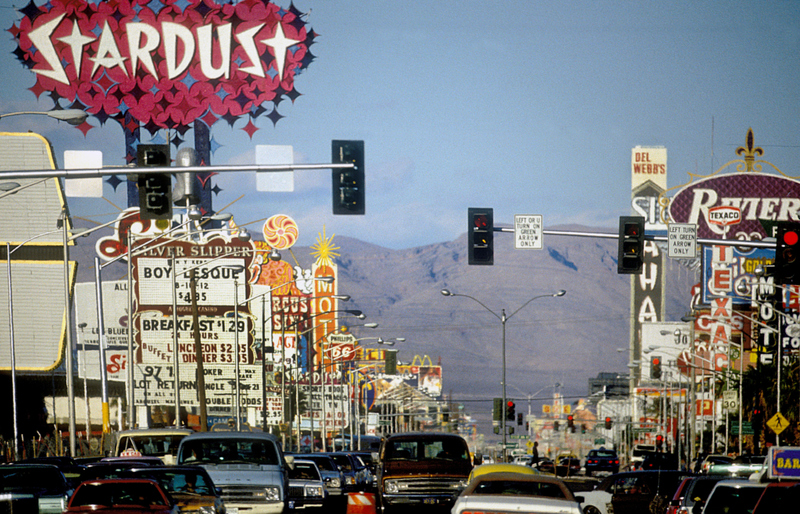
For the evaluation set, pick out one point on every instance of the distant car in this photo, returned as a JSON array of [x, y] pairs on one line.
[[357, 476], [190, 487], [713, 459], [110, 469], [692, 491], [128, 495], [660, 461], [568, 467], [601, 460], [43, 484], [306, 488], [733, 497], [516, 492], [153, 442], [742, 466], [545, 466], [331, 475]]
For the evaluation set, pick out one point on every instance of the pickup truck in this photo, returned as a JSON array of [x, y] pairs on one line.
[[249, 468], [416, 469]]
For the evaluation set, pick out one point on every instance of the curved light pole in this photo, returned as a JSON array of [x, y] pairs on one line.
[[503, 319], [71, 116]]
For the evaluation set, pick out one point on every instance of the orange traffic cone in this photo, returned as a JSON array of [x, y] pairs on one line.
[[361, 503]]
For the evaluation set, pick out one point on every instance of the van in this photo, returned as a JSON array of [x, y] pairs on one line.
[[151, 442]]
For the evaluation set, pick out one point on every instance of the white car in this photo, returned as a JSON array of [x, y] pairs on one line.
[[518, 493]]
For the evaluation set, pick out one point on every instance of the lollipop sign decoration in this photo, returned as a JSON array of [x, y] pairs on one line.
[[164, 63], [280, 232]]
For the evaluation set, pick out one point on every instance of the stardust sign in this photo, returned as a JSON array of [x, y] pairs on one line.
[[165, 63]]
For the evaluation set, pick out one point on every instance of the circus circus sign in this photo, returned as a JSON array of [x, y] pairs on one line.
[[164, 63]]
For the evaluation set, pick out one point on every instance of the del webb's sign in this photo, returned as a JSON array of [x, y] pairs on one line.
[[165, 63]]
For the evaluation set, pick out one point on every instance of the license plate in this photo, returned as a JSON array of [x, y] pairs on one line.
[[430, 501]]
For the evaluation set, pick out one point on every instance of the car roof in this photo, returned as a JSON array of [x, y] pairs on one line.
[[501, 467], [256, 436], [519, 477]]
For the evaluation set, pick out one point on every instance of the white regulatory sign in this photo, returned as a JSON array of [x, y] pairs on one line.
[[528, 231], [682, 241]]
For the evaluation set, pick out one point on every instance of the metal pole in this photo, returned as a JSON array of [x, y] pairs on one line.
[[68, 346], [505, 404], [129, 364], [237, 411], [175, 354], [13, 353], [263, 363], [198, 354], [101, 332], [85, 385], [741, 379]]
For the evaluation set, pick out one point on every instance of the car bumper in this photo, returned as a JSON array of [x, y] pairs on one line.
[[410, 500]]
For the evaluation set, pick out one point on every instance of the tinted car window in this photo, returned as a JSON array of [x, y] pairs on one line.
[[731, 500]]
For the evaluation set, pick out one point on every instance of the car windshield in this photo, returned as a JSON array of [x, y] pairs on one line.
[[732, 500], [304, 471], [324, 464], [427, 449], [179, 481], [151, 445], [229, 450], [603, 454], [117, 493], [519, 488]]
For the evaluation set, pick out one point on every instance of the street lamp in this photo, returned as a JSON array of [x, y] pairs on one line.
[[503, 319], [71, 116]]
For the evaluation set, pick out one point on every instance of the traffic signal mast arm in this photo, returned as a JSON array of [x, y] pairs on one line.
[[131, 170], [606, 235]]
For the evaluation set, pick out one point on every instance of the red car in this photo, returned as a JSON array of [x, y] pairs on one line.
[[121, 495]]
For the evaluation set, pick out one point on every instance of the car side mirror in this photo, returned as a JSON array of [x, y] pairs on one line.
[[289, 461], [580, 499]]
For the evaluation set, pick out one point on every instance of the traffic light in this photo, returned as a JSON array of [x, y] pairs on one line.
[[655, 367], [348, 184], [631, 245], [519, 419], [480, 236], [571, 423], [155, 189], [187, 188], [659, 442], [609, 423], [787, 254], [555, 426], [511, 409], [497, 409]]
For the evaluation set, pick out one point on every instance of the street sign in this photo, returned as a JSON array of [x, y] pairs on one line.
[[682, 241], [730, 400], [747, 428], [778, 423], [528, 232]]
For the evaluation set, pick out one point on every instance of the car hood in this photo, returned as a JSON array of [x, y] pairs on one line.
[[244, 474]]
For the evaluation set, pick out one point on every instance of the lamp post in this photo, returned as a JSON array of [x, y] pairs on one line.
[[71, 116], [503, 319]]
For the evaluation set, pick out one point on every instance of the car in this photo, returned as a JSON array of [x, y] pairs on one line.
[[601, 460], [190, 487], [742, 466], [484, 469], [306, 488], [153, 442], [713, 459], [692, 491], [733, 497], [568, 466], [43, 484], [545, 465], [631, 492], [659, 460], [110, 469], [357, 476], [368, 457], [330, 472], [516, 492], [129, 495]]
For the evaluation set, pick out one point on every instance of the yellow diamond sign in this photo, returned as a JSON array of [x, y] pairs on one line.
[[778, 423]]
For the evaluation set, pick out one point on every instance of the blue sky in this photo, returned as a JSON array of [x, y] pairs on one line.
[[526, 107]]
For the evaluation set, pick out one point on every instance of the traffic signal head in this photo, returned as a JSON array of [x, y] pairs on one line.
[[497, 409], [570, 421], [480, 236], [608, 423], [348, 184], [630, 255], [787, 254], [519, 418], [659, 441], [390, 362], [655, 367], [155, 189], [511, 409]]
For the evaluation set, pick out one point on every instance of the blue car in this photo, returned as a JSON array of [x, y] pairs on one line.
[[601, 460]]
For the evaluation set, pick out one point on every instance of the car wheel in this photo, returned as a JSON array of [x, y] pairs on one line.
[[591, 509]]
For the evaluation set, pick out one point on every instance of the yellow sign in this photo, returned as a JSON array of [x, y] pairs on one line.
[[546, 409], [567, 409], [778, 423]]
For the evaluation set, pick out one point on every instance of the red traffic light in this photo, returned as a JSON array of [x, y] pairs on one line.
[[790, 238], [480, 221], [510, 404], [656, 361]]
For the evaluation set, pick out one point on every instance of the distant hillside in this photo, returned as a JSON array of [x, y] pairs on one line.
[[565, 340]]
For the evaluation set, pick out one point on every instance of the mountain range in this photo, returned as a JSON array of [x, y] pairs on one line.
[[550, 340]]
